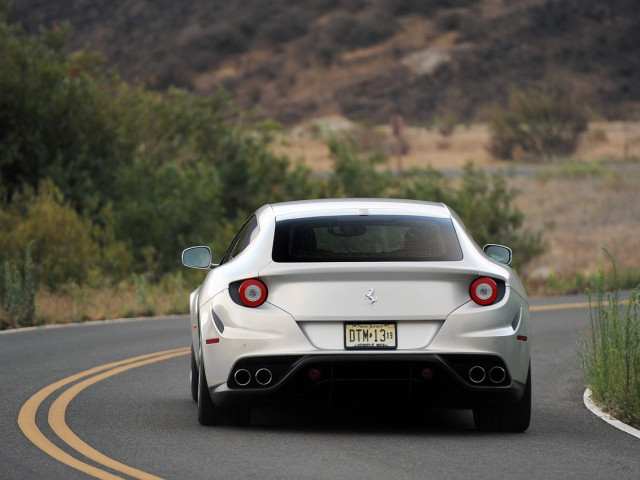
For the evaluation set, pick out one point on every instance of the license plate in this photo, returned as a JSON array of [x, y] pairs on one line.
[[370, 336]]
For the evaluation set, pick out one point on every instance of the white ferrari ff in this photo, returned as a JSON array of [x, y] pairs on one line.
[[360, 302]]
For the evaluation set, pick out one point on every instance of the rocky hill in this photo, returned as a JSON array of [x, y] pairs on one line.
[[365, 59]]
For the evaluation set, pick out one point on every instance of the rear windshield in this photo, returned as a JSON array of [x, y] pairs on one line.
[[374, 238]]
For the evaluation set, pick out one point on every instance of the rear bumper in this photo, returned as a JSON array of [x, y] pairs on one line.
[[371, 379]]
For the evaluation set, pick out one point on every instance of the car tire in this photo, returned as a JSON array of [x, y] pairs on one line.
[[209, 414], [506, 418], [193, 376]]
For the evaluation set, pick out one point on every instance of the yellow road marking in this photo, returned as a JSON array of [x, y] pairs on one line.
[[27, 417], [563, 306], [568, 306]]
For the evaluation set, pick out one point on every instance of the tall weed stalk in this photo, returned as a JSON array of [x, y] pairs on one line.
[[145, 303], [611, 351], [19, 293]]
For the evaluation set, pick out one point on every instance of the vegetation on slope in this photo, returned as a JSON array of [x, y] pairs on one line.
[[364, 59], [105, 183]]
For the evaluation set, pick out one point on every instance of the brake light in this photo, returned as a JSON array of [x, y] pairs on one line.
[[484, 291], [253, 293]]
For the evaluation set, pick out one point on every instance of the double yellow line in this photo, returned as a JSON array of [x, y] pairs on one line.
[[57, 413]]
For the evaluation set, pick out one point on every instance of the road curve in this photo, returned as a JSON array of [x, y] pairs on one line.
[[111, 400]]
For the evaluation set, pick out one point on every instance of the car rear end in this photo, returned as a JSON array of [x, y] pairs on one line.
[[372, 305]]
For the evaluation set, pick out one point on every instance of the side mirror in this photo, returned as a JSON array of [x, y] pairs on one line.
[[197, 257], [499, 253]]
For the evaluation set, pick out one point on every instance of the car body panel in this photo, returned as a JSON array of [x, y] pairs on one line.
[[308, 304]]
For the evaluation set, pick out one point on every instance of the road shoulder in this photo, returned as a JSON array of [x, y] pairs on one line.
[[606, 417]]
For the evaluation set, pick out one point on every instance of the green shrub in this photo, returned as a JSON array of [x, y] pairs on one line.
[[446, 126], [610, 352], [537, 122], [204, 164], [19, 293], [485, 205], [354, 173], [61, 117], [66, 246], [146, 302]]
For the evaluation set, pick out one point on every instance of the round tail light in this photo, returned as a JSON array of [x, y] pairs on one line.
[[484, 291], [253, 293]]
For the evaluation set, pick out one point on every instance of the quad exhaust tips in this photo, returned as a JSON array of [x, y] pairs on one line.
[[478, 374], [263, 377]]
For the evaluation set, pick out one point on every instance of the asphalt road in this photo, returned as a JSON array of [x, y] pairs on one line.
[[144, 419]]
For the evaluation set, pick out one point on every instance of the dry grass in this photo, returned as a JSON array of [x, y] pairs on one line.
[[579, 216], [75, 304], [428, 147]]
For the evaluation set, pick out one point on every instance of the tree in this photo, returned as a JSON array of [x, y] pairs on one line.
[[61, 117], [485, 205], [539, 122]]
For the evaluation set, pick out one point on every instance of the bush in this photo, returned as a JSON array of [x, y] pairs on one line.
[[355, 174], [19, 293], [485, 205], [611, 351], [65, 245], [204, 165], [537, 122], [446, 125], [60, 117]]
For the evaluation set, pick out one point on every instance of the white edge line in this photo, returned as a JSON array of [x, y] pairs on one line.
[[606, 417]]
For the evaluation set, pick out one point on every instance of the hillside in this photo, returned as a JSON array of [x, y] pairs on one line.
[[364, 59]]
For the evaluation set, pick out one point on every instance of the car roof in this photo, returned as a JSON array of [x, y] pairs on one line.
[[358, 206]]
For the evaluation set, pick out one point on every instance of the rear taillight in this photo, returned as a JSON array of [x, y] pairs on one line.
[[484, 291], [253, 293]]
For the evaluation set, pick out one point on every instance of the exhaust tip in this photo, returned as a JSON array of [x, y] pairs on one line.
[[477, 374], [264, 376], [242, 377], [497, 374]]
